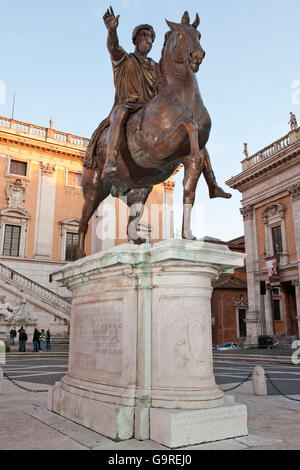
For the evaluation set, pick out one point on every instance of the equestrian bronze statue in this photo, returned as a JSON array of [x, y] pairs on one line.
[[158, 122]]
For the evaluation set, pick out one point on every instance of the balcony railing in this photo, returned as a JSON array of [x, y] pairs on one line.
[[43, 133], [267, 152]]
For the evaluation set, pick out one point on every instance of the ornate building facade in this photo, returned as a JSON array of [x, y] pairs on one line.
[[229, 302], [270, 188], [40, 206]]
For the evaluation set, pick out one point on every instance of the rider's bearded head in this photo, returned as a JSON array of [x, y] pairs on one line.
[[143, 37]]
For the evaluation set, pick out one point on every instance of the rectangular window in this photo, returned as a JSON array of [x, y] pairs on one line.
[[277, 240], [276, 308], [11, 245], [71, 246], [74, 179], [18, 168], [242, 323]]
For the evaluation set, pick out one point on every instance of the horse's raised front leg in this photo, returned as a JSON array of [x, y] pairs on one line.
[[95, 191], [136, 199], [193, 166]]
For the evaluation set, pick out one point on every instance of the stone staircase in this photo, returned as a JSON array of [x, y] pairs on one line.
[[34, 292]]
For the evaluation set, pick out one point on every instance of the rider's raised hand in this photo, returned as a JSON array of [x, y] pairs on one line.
[[111, 22]]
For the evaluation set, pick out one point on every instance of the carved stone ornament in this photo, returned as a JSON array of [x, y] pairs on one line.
[[15, 314], [169, 185], [47, 168], [273, 210], [15, 193], [247, 212], [294, 191]]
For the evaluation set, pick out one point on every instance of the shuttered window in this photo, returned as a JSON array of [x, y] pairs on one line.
[[71, 246], [18, 168], [11, 245], [74, 179], [277, 240]]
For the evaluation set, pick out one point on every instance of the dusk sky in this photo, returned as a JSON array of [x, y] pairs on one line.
[[54, 57]]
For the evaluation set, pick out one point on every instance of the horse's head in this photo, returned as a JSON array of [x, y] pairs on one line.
[[184, 42]]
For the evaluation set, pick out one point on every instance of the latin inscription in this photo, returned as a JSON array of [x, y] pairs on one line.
[[97, 334]]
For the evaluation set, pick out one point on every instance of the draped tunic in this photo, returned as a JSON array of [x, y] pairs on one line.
[[136, 83]]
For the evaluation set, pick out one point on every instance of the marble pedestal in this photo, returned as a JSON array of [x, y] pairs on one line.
[[140, 360]]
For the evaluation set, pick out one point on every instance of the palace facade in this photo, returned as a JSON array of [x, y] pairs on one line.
[[270, 188]]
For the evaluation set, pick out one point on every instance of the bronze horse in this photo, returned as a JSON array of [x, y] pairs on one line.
[[171, 129]]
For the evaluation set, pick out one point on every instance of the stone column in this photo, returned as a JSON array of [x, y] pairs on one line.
[[252, 260], [269, 312], [44, 223], [168, 211]]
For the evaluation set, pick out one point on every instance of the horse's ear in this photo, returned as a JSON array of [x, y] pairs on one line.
[[186, 18], [172, 26], [197, 21]]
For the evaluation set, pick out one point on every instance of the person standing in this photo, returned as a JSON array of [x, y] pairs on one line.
[[42, 339], [22, 341], [36, 338], [48, 337], [13, 334]]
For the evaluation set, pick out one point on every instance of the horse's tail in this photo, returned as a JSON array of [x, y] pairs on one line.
[[90, 158]]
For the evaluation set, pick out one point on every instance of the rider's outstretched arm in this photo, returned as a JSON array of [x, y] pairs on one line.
[[113, 46]]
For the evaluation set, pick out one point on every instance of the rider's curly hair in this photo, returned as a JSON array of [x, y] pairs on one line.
[[142, 26]]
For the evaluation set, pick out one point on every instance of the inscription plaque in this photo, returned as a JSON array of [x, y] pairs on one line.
[[98, 334]]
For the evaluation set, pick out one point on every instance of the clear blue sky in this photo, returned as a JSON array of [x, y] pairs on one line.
[[54, 57]]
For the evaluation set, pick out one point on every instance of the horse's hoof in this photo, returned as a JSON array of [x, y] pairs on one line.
[[188, 236], [138, 240]]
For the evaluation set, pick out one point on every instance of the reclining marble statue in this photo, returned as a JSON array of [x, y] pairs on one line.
[[158, 121], [17, 315]]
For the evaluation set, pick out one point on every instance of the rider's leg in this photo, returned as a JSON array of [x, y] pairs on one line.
[[118, 119], [214, 189], [193, 167]]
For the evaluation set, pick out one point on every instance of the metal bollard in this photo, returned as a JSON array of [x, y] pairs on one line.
[[259, 381]]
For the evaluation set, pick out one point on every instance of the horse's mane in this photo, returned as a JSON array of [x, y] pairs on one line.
[[167, 35]]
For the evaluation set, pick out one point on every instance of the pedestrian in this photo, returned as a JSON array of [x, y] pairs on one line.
[[36, 338], [42, 339], [12, 334], [22, 340], [20, 331], [48, 337]]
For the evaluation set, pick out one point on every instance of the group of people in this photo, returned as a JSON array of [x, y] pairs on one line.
[[39, 338]]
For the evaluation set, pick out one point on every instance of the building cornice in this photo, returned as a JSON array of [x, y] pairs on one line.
[[45, 147]]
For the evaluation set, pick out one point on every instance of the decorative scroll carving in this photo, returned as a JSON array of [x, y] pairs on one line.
[[247, 212], [47, 168], [294, 191], [273, 210], [15, 193], [169, 185]]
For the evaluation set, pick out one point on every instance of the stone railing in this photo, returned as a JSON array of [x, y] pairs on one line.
[[267, 152], [32, 287], [43, 133]]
